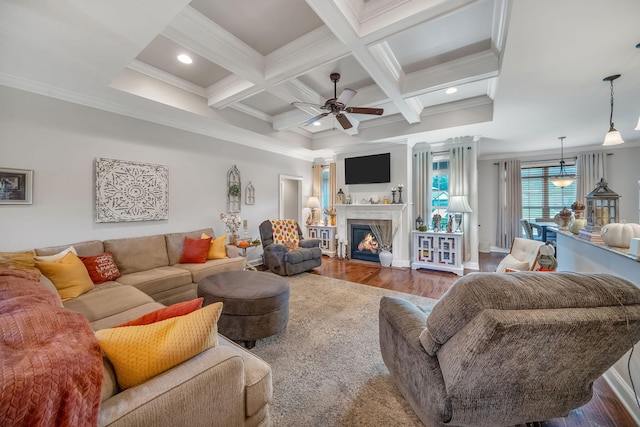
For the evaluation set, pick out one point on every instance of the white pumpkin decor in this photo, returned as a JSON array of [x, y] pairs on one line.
[[619, 234]]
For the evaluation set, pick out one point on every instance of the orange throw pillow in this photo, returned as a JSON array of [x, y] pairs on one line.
[[194, 251], [175, 310], [102, 268]]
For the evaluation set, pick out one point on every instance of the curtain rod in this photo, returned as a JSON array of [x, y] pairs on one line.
[[549, 160]]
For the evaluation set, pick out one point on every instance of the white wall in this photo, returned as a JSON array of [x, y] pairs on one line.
[[60, 141], [623, 175]]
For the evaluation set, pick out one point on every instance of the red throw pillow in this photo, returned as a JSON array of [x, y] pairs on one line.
[[101, 268], [175, 310], [194, 251]]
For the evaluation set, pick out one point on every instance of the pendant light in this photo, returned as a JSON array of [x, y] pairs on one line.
[[638, 127], [612, 137], [563, 179]]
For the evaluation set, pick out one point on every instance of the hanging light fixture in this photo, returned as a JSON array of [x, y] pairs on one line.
[[563, 179], [638, 127], [612, 137]]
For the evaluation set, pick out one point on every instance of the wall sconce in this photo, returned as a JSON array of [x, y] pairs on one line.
[[563, 179], [612, 137]]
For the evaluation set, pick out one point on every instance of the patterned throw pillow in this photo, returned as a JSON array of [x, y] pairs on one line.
[[285, 232], [102, 268], [142, 352]]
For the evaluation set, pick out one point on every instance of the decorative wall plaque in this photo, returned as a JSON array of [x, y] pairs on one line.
[[131, 191]]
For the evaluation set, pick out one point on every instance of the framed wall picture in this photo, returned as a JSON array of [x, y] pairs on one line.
[[131, 191], [16, 186]]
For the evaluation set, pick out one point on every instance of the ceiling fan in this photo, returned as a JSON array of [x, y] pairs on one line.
[[338, 104]]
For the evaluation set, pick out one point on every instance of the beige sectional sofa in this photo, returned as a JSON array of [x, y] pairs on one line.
[[151, 263], [223, 386]]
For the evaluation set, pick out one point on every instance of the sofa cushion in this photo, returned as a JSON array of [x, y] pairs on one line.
[[141, 352], [87, 248], [200, 271], [174, 242], [102, 268], [136, 254], [107, 299], [302, 254], [194, 251], [69, 275], [174, 310], [156, 280]]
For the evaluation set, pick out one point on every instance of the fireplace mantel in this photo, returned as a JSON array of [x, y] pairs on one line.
[[396, 213]]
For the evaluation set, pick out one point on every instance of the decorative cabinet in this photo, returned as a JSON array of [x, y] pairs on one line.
[[327, 236], [437, 251]]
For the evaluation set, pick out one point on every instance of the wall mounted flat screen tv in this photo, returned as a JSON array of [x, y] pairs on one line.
[[367, 169]]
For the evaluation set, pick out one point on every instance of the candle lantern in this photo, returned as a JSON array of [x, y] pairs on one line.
[[419, 222], [602, 206]]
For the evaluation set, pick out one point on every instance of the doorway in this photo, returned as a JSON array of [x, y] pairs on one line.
[[290, 197]]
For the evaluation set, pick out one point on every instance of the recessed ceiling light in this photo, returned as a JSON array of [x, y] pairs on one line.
[[317, 123], [451, 90], [185, 59]]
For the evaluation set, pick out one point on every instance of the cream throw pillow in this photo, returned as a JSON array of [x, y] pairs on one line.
[[56, 257], [69, 275], [142, 352]]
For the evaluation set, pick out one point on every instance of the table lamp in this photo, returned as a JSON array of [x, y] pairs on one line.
[[313, 203], [457, 206]]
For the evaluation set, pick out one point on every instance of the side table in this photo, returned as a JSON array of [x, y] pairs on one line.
[[243, 250]]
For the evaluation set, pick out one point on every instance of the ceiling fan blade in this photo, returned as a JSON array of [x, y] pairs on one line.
[[306, 104], [361, 110], [315, 119], [342, 119], [346, 96]]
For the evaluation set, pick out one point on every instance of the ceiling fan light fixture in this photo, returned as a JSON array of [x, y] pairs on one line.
[[638, 127], [612, 137], [185, 59], [563, 179], [451, 90]]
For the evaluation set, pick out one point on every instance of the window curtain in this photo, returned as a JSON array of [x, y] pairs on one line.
[[317, 189], [590, 167], [422, 185], [459, 184], [509, 203], [333, 184]]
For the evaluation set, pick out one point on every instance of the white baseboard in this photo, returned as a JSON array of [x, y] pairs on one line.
[[624, 392], [499, 250], [471, 266]]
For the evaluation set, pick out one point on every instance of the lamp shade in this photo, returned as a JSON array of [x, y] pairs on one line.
[[458, 204], [313, 202], [638, 127], [562, 180], [613, 137]]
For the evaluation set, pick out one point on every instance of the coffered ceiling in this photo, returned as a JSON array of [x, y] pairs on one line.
[[525, 71]]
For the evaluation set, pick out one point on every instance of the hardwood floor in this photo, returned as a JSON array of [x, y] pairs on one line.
[[604, 409]]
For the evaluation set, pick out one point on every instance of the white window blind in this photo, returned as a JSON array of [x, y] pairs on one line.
[[542, 199]]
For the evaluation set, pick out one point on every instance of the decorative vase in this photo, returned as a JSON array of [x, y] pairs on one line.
[[385, 258], [233, 239], [333, 220], [578, 213]]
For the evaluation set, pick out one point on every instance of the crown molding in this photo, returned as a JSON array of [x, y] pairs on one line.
[[243, 108]]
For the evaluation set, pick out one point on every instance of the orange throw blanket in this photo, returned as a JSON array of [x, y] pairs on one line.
[[50, 363]]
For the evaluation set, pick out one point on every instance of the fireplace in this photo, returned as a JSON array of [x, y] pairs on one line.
[[364, 245]]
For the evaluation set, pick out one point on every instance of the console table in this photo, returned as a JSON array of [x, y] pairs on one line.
[[327, 236], [437, 251]]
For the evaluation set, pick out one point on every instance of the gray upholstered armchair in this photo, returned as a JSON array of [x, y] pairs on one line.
[[284, 262], [505, 349]]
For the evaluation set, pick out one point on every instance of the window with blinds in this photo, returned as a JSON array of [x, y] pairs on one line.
[[542, 199]]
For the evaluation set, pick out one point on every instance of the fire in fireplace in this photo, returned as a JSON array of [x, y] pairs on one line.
[[365, 246]]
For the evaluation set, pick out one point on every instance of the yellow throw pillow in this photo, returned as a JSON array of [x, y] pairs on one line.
[[141, 352], [69, 275], [217, 250], [19, 260]]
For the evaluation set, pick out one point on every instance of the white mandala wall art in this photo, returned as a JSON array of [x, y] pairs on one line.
[[131, 191]]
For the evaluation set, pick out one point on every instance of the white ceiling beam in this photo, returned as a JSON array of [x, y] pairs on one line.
[[231, 89], [168, 78]]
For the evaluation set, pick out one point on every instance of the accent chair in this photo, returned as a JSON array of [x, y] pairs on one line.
[[285, 262]]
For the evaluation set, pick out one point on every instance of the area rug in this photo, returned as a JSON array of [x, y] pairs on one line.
[[327, 367]]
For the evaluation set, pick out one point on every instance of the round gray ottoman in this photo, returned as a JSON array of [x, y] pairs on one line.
[[255, 304]]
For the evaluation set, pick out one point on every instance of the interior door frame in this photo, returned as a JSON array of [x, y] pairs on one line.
[[281, 182]]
